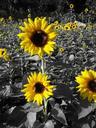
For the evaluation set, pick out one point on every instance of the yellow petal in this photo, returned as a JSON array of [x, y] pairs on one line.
[[37, 23], [81, 80], [24, 35], [22, 28], [44, 24], [52, 35], [49, 28], [87, 75]]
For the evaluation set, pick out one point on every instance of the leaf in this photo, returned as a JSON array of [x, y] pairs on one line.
[[84, 112], [16, 117], [63, 91], [59, 115], [93, 124], [32, 107], [85, 126], [49, 124], [84, 103], [31, 117], [86, 108]]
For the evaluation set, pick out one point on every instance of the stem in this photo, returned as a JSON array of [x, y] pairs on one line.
[[10, 76], [45, 109], [22, 64], [42, 66], [45, 101]]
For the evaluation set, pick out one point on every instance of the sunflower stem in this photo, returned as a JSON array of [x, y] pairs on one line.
[[45, 101], [42, 66], [45, 109]]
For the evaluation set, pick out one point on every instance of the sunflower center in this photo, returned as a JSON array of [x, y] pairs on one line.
[[39, 38], [2, 52], [39, 87], [92, 85]]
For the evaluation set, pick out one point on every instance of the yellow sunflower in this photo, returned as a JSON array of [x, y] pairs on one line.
[[61, 49], [2, 20], [86, 10], [66, 27], [37, 37], [4, 54], [38, 88], [58, 27], [74, 25], [87, 84], [56, 22], [71, 6]]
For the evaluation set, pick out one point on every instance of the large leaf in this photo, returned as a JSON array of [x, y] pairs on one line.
[[63, 91], [31, 117], [86, 108], [85, 126], [32, 107], [84, 112], [17, 117], [59, 115], [49, 124]]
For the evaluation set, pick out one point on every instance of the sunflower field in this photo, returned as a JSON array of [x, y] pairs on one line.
[[47, 64]]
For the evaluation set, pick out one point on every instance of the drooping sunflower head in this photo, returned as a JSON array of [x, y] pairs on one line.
[[37, 37], [87, 84], [38, 88], [4, 54]]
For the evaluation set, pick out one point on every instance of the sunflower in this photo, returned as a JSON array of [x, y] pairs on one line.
[[71, 6], [10, 18], [4, 54], [61, 49], [2, 20], [67, 27], [74, 25], [56, 22], [87, 84], [38, 88], [37, 37], [86, 10], [58, 27]]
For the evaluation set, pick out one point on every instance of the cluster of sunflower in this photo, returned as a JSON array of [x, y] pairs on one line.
[[38, 38], [70, 26], [57, 26], [2, 20], [67, 26]]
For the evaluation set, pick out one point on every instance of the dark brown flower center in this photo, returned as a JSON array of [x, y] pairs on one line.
[[66, 27], [92, 85], [2, 52], [39, 87], [39, 38]]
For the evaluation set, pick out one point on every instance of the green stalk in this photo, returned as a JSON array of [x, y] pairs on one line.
[[45, 101], [42, 66]]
